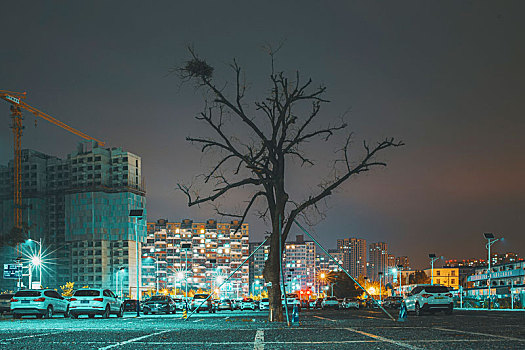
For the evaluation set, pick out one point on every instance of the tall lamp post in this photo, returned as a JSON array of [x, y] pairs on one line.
[[491, 240], [137, 214], [380, 274], [185, 247], [399, 268], [433, 258], [37, 261]]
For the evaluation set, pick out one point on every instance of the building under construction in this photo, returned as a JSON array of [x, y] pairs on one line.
[[79, 208]]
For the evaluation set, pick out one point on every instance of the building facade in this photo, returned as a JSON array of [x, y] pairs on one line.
[[354, 255], [505, 279], [403, 261], [299, 264], [447, 276], [199, 254], [79, 208], [377, 260]]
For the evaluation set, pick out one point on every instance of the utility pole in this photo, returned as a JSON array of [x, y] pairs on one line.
[[491, 240], [433, 258]]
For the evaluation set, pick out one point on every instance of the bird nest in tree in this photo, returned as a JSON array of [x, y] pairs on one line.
[[198, 68]]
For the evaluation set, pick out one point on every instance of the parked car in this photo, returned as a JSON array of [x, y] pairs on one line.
[[350, 303], [319, 303], [39, 302], [247, 303], [180, 303], [393, 302], [209, 306], [93, 301], [426, 297], [330, 303], [130, 305], [312, 303], [5, 302], [292, 300], [224, 304], [159, 303], [236, 304], [264, 304]]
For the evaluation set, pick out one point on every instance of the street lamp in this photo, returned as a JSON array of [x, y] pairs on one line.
[[137, 214], [185, 247], [399, 268], [36, 260], [491, 240], [380, 274], [433, 258]]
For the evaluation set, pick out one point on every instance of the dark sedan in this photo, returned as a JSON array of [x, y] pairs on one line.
[[158, 304]]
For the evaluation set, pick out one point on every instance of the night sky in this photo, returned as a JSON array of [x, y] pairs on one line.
[[446, 77]]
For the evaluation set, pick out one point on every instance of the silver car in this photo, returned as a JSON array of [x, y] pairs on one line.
[[39, 302]]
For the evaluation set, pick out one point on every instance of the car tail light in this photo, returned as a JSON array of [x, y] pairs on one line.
[[39, 299], [426, 295], [98, 299], [14, 300], [73, 299]]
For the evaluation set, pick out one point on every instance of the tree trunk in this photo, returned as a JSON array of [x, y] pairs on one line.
[[272, 273]]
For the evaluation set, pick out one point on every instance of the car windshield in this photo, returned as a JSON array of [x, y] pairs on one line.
[[87, 293], [331, 298], [158, 298], [28, 293], [436, 289], [200, 296]]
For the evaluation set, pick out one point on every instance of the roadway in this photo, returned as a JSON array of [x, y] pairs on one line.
[[319, 329]]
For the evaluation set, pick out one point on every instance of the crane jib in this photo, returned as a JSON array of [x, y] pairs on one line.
[[12, 99]]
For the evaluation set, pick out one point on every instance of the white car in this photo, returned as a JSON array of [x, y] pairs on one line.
[[247, 303], [350, 304], [330, 302], [91, 302], [264, 304], [291, 300], [427, 297], [39, 302]]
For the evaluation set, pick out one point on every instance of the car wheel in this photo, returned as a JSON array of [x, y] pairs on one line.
[[75, 316], [120, 312], [106, 312], [38, 316], [17, 316], [146, 312], [49, 312], [417, 310]]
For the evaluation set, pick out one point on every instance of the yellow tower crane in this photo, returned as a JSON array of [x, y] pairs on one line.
[[17, 105]]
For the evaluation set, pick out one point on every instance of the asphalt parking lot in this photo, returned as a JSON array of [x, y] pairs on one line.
[[335, 329]]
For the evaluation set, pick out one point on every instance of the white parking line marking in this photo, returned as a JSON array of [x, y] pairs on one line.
[[324, 318], [30, 336], [258, 343], [476, 333], [391, 341], [133, 340]]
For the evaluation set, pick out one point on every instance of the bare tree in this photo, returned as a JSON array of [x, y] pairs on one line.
[[253, 154]]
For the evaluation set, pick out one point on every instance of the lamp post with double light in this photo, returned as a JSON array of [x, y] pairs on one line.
[[491, 240], [36, 260], [433, 258]]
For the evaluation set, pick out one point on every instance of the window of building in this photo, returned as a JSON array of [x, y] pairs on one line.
[[453, 281], [438, 273], [97, 158]]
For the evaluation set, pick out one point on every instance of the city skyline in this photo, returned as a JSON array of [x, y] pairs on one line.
[[449, 87]]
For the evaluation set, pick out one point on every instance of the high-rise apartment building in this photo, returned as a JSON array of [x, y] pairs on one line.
[[257, 261], [203, 254], [403, 261], [354, 255], [299, 264], [79, 208], [377, 260]]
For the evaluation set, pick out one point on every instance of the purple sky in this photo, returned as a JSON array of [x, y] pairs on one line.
[[446, 77]]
